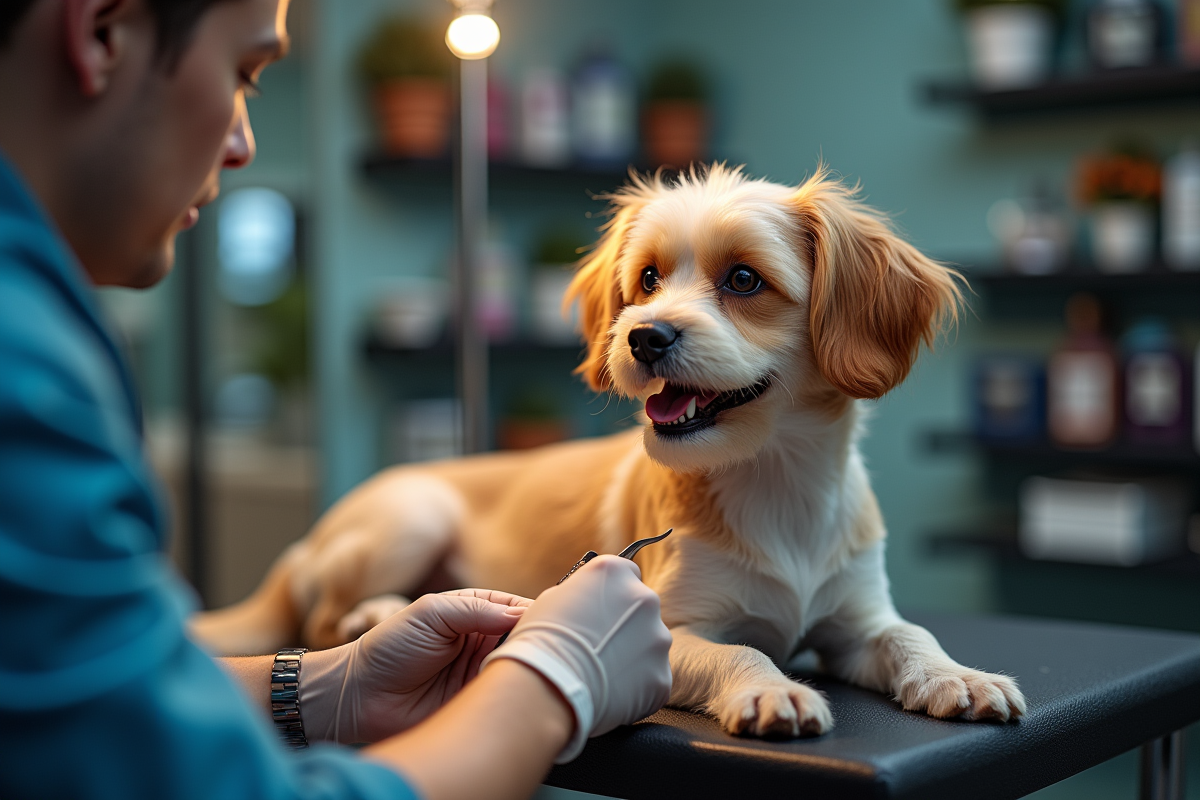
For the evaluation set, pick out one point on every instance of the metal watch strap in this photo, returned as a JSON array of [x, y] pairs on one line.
[[285, 696]]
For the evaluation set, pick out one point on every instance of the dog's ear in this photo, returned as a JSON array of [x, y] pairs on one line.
[[597, 288], [874, 298]]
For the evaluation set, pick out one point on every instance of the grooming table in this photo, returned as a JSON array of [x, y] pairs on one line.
[[1093, 693]]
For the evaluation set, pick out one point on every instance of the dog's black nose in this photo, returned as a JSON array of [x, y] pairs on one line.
[[650, 341]]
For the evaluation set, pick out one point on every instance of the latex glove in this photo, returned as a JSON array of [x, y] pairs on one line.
[[405, 668], [600, 639]]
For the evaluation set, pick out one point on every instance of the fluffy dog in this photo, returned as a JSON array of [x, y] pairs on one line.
[[749, 317]]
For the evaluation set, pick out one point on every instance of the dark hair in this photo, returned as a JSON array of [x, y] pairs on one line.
[[176, 20]]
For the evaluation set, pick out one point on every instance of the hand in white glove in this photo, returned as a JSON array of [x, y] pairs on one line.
[[600, 639], [406, 667]]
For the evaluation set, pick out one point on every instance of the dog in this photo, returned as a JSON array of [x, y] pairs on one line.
[[751, 318]]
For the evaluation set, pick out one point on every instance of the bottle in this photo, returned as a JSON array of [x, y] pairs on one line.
[[1196, 400], [545, 120], [1124, 33], [1181, 209], [1009, 397], [1156, 407], [1082, 381], [1188, 27], [604, 113]]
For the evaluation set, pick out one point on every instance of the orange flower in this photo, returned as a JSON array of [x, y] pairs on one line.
[[1118, 176]]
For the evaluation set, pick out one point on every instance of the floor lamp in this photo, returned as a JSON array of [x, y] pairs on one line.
[[472, 36]]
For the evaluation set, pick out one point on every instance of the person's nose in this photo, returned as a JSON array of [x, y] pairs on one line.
[[239, 142]]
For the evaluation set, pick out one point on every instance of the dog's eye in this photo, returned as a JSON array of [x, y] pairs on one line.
[[743, 280], [649, 279]]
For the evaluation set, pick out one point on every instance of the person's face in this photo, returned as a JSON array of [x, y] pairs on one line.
[[182, 124]]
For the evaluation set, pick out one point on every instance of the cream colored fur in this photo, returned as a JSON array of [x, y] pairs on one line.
[[778, 542]]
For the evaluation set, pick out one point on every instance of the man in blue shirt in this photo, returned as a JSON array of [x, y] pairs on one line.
[[116, 118]]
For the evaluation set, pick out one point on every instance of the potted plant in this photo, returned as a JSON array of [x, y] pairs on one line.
[[407, 69], [675, 119], [532, 420], [553, 258], [1120, 189], [1010, 41]]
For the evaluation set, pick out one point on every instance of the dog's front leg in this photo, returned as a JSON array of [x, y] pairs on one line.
[[742, 688], [866, 642]]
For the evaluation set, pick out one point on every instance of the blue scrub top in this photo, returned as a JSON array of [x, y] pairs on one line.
[[101, 693]]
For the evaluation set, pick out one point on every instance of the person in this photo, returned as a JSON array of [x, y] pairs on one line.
[[118, 116]]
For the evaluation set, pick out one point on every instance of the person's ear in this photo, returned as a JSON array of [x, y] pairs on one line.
[[597, 288], [874, 298], [96, 37]]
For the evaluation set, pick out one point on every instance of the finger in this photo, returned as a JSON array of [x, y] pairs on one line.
[[493, 596], [464, 614]]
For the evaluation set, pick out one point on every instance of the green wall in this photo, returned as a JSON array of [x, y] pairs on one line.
[[796, 82]]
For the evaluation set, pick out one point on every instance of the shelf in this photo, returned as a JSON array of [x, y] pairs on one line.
[[1077, 278], [375, 349], [1002, 545], [1119, 454], [1095, 91], [383, 166]]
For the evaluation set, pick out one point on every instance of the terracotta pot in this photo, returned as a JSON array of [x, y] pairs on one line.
[[414, 116], [522, 434], [675, 132]]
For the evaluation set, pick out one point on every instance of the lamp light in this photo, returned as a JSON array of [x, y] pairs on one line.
[[472, 35]]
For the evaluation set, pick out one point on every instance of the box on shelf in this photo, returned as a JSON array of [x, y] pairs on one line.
[[1101, 521]]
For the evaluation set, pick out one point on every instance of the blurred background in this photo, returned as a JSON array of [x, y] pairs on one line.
[[1042, 461]]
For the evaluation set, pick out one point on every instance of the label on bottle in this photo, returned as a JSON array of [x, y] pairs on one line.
[[1152, 390], [1081, 398]]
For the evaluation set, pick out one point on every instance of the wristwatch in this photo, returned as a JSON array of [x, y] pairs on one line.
[[285, 697]]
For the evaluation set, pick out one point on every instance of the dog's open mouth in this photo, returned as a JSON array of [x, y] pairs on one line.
[[679, 410]]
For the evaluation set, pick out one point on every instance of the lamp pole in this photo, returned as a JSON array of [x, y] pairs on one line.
[[472, 37]]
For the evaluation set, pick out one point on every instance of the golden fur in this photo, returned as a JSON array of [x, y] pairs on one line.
[[778, 542]]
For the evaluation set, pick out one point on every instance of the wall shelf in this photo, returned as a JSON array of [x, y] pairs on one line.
[[383, 166], [1089, 91], [1002, 544], [1158, 291], [1044, 453], [377, 350], [1079, 278]]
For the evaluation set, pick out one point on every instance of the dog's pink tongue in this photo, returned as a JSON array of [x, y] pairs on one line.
[[669, 404]]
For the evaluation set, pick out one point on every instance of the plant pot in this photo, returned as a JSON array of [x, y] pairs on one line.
[[414, 116], [1122, 236], [675, 132], [523, 434], [1010, 44]]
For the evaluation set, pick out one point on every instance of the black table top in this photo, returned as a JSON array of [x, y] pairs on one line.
[[1093, 692]]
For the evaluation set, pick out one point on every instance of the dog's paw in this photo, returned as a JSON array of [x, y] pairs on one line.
[[966, 693], [774, 708], [368, 614]]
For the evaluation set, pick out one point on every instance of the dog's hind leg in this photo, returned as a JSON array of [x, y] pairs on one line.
[[743, 689], [382, 540]]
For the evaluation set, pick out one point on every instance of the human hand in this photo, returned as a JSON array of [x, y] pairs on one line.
[[406, 667], [600, 639]]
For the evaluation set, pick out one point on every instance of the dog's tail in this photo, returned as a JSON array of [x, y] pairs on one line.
[[265, 622]]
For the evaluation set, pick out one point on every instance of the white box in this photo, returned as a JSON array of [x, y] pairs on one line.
[[1102, 522]]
